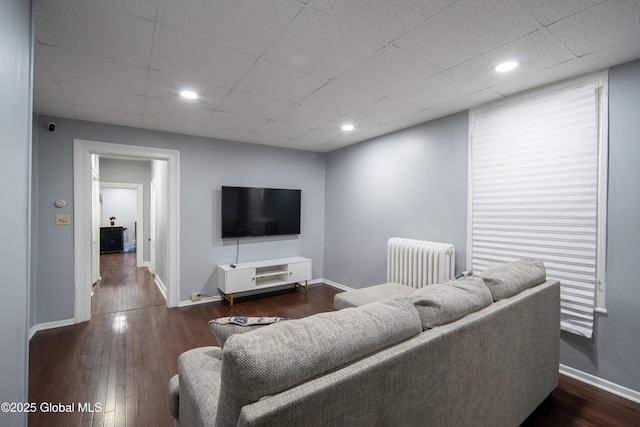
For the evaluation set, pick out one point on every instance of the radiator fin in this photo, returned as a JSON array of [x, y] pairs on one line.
[[418, 263]]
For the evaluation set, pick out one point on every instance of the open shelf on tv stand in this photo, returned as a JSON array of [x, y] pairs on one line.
[[263, 274]]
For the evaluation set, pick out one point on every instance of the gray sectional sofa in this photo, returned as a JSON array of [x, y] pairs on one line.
[[482, 351]]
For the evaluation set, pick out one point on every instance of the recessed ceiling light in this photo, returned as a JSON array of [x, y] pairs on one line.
[[507, 66], [348, 127], [188, 94]]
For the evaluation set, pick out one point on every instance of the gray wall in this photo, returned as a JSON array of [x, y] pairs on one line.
[[16, 45], [131, 172], [411, 183], [206, 165], [614, 351]]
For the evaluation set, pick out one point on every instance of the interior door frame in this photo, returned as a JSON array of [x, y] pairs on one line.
[[95, 220], [82, 211], [153, 208]]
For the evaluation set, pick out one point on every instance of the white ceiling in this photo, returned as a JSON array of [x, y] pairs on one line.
[[289, 73]]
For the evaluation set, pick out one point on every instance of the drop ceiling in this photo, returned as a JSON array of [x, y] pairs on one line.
[[290, 73]]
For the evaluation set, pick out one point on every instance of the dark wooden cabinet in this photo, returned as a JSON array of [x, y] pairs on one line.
[[110, 240]]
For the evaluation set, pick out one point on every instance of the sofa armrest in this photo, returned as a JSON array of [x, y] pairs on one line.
[[174, 396], [199, 386]]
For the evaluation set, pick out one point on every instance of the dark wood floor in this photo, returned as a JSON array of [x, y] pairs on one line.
[[123, 286], [123, 358]]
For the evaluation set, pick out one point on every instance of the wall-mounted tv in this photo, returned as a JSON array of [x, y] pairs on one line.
[[253, 212]]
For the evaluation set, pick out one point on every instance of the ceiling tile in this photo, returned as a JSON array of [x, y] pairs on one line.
[[444, 109], [339, 98], [91, 114], [174, 115], [240, 102], [245, 25], [336, 125], [375, 132], [410, 120], [305, 116], [317, 136], [387, 71], [614, 55], [40, 69], [102, 98], [548, 75], [318, 44], [280, 130], [605, 25], [535, 52], [258, 138], [48, 99], [550, 11], [467, 29], [96, 29], [384, 19], [196, 61], [279, 82], [145, 9], [435, 90], [168, 87], [460, 104], [73, 67], [384, 110], [229, 126]]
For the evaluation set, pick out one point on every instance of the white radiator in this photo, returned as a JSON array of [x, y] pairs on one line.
[[418, 263]]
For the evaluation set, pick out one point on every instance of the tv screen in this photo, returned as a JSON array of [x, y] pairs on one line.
[[252, 212]]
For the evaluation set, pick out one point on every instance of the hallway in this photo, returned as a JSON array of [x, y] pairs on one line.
[[123, 286]]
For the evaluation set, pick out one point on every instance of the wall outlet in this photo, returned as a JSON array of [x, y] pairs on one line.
[[195, 297], [62, 219]]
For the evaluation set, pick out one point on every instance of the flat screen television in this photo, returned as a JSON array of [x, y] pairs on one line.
[[253, 212]]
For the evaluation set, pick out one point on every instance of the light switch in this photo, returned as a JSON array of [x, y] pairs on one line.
[[62, 220]]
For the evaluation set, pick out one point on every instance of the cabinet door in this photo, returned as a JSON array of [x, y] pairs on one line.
[[300, 271], [240, 280]]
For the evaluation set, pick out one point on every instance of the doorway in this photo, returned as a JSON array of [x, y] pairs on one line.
[[83, 231], [125, 203]]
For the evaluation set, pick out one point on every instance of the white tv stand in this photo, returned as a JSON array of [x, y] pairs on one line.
[[250, 276]]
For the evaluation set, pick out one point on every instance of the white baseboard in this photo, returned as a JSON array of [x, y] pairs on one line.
[[207, 299], [600, 383], [336, 285], [203, 300], [161, 286], [49, 325]]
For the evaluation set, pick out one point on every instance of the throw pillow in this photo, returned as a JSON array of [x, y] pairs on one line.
[[223, 327], [445, 303], [509, 279]]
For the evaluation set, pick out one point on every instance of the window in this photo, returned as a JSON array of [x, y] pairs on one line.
[[537, 188]]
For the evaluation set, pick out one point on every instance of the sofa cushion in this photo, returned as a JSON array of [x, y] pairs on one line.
[[370, 294], [271, 360], [223, 327], [507, 280], [445, 303]]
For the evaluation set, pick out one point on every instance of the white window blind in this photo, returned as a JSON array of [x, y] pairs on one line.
[[536, 190]]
